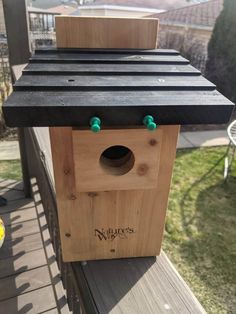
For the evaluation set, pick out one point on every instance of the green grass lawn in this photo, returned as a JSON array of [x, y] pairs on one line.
[[10, 169], [200, 236]]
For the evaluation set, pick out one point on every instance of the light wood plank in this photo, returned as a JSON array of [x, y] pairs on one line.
[[24, 203], [106, 32], [17, 246], [36, 301], [24, 282], [22, 229], [53, 311], [10, 184], [12, 195], [19, 216], [22, 262], [61, 145]]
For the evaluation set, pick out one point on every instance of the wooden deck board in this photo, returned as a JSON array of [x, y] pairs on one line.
[[19, 216], [22, 229], [21, 244], [139, 285], [36, 301], [29, 278], [12, 195], [22, 262], [16, 205], [24, 282], [10, 184], [52, 311]]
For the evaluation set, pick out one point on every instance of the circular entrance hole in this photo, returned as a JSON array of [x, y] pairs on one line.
[[117, 160]]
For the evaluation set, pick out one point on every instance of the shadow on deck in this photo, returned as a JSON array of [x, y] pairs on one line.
[[29, 277]]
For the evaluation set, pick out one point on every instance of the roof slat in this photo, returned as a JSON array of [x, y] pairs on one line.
[[107, 58], [116, 109], [67, 88], [112, 69], [112, 82], [107, 51]]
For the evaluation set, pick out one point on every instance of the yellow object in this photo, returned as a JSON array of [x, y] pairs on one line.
[[2, 232]]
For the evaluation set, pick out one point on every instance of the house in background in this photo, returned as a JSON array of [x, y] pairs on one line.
[[151, 4], [114, 10], [45, 4], [63, 9], [189, 29]]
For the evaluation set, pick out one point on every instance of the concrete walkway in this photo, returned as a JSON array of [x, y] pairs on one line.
[[9, 150], [203, 139]]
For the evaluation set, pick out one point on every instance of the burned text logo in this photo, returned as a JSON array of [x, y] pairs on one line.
[[111, 234]]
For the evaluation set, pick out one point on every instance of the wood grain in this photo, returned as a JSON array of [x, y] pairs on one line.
[[98, 225], [106, 32], [92, 172], [63, 165]]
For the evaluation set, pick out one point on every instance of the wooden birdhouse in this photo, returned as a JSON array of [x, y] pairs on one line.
[[114, 104]]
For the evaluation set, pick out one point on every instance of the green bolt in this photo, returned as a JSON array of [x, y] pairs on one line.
[[148, 121], [95, 124]]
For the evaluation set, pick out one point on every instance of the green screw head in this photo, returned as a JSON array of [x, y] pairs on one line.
[[95, 124], [151, 126], [148, 121]]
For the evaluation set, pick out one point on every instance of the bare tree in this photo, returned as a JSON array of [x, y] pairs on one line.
[[191, 48]]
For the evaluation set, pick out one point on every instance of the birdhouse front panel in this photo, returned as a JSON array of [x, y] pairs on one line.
[[116, 159]]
